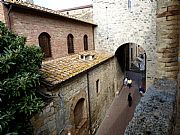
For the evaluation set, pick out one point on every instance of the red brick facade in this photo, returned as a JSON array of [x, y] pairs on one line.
[[31, 23]]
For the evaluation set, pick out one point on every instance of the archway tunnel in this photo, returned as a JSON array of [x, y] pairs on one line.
[[132, 61]]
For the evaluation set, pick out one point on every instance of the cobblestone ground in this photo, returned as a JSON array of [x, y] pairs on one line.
[[119, 114]]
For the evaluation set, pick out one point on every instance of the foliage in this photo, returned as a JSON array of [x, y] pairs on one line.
[[19, 79]]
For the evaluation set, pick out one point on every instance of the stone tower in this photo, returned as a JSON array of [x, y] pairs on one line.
[[168, 37]]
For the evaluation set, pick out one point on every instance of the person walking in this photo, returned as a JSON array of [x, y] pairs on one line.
[[129, 83], [125, 81], [129, 100], [141, 91]]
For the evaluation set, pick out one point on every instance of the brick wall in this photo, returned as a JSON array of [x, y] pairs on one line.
[[32, 24]]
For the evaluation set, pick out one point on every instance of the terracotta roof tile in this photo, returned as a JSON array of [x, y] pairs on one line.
[[61, 69]]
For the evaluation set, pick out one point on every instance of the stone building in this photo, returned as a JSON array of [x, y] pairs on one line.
[[122, 22], [80, 83], [84, 61], [82, 12]]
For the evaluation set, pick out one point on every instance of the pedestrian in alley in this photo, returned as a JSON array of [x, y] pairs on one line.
[[141, 91], [129, 100], [125, 82], [129, 83]]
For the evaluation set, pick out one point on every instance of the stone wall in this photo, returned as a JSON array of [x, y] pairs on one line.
[[58, 116], [2, 12], [118, 24], [83, 13], [168, 17], [155, 114], [31, 24], [110, 81]]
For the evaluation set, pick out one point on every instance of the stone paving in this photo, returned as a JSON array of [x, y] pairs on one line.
[[119, 114]]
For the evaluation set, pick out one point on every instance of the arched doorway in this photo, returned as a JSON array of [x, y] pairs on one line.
[[132, 60], [80, 118]]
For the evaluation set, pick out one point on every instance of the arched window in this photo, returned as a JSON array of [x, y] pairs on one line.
[[44, 43], [85, 42], [70, 43]]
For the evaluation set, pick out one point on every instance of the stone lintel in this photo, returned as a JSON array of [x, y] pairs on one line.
[[163, 45], [169, 55], [166, 60], [171, 64], [171, 69], [175, 17], [168, 31], [168, 50], [168, 13]]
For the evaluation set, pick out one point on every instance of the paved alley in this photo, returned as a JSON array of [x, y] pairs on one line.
[[119, 114]]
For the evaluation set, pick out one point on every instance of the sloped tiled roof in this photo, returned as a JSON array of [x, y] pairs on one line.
[[61, 69], [21, 3]]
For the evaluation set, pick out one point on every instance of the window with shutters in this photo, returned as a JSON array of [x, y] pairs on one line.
[[44, 43], [70, 43], [85, 42]]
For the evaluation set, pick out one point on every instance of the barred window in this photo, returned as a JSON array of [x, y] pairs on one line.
[[85, 42], [44, 43], [70, 43]]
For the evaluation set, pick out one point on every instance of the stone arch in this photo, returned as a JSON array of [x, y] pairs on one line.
[[132, 57], [79, 112], [76, 99], [133, 40]]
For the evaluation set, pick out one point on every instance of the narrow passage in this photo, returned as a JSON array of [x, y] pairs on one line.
[[119, 113]]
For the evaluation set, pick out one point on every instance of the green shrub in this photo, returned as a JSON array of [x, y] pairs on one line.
[[19, 79]]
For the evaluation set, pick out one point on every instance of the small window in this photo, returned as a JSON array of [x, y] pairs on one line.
[[97, 86], [44, 43], [131, 54], [129, 4], [70, 43], [85, 42]]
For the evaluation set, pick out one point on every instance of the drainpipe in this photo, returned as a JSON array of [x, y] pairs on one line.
[[9, 18], [93, 38], [89, 104]]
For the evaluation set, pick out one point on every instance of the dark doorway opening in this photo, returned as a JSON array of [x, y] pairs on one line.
[[122, 55], [132, 59]]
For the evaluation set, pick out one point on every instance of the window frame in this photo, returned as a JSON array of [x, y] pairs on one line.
[[85, 39], [70, 43], [46, 49]]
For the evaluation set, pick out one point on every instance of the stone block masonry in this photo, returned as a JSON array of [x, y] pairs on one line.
[[118, 24], [168, 18], [96, 87]]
